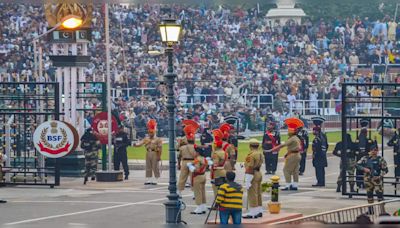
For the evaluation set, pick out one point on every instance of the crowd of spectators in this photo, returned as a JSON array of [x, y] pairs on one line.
[[230, 52]]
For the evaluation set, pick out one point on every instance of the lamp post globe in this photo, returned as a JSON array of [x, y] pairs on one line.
[[170, 33]]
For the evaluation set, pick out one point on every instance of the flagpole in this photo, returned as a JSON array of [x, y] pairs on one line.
[[109, 124]]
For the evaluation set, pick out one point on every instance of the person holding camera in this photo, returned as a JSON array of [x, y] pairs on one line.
[[219, 158], [253, 178], [374, 168], [230, 200]]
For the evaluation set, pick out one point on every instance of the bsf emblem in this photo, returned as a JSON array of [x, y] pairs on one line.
[[54, 139]]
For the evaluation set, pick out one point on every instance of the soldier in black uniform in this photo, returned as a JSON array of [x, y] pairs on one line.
[[271, 139], [90, 144], [303, 135], [121, 142], [362, 144], [206, 141], [395, 143], [319, 148]]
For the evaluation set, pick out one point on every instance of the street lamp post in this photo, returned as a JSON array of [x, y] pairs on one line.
[[170, 32]]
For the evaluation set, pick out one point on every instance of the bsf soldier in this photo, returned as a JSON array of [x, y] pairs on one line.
[[219, 158], [271, 139], [362, 147], [233, 140], [374, 168], [153, 146], [395, 143], [351, 162], [319, 148], [227, 147], [198, 169], [303, 135], [90, 144], [253, 178], [186, 155], [121, 142], [292, 157]]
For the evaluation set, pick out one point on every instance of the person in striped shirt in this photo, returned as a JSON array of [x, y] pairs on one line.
[[230, 200]]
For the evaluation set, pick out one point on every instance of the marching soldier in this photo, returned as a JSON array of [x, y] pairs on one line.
[[186, 155], [363, 146], [319, 148], [395, 143], [219, 158], [227, 147], [374, 168], [271, 139], [198, 169], [90, 144], [253, 178], [121, 142], [351, 162], [292, 157], [153, 146], [303, 135]]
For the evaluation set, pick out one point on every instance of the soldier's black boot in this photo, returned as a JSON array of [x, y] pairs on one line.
[[86, 180], [93, 178], [3, 201], [339, 188]]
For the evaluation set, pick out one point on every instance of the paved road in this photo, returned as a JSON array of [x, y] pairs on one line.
[[130, 202]]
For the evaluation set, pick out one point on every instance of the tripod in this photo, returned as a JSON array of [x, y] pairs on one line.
[[211, 209]]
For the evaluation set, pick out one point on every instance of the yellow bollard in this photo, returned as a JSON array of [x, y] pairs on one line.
[[274, 206]]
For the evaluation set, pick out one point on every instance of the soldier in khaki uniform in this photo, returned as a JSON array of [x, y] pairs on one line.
[[253, 178], [219, 158], [153, 156], [198, 169], [186, 155], [227, 147], [292, 157]]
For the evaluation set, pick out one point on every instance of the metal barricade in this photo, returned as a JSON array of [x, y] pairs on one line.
[[345, 215]]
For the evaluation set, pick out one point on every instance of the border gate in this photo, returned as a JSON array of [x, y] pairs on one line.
[[23, 107], [388, 112]]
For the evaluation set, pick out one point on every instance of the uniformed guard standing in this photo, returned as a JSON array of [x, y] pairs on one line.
[[153, 146], [233, 140], [219, 158], [227, 147], [395, 143], [271, 139], [292, 157], [198, 169], [91, 145], [3, 158], [374, 168], [186, 155], [121, 142], [303, 135], [363, 146], [253, 178], [319, 148], [351, 162], [206, 140]]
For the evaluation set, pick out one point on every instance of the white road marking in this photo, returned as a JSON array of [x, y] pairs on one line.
[[60, 201], [85, 212]]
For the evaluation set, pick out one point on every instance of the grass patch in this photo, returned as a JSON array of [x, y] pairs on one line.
[[333, 137]]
